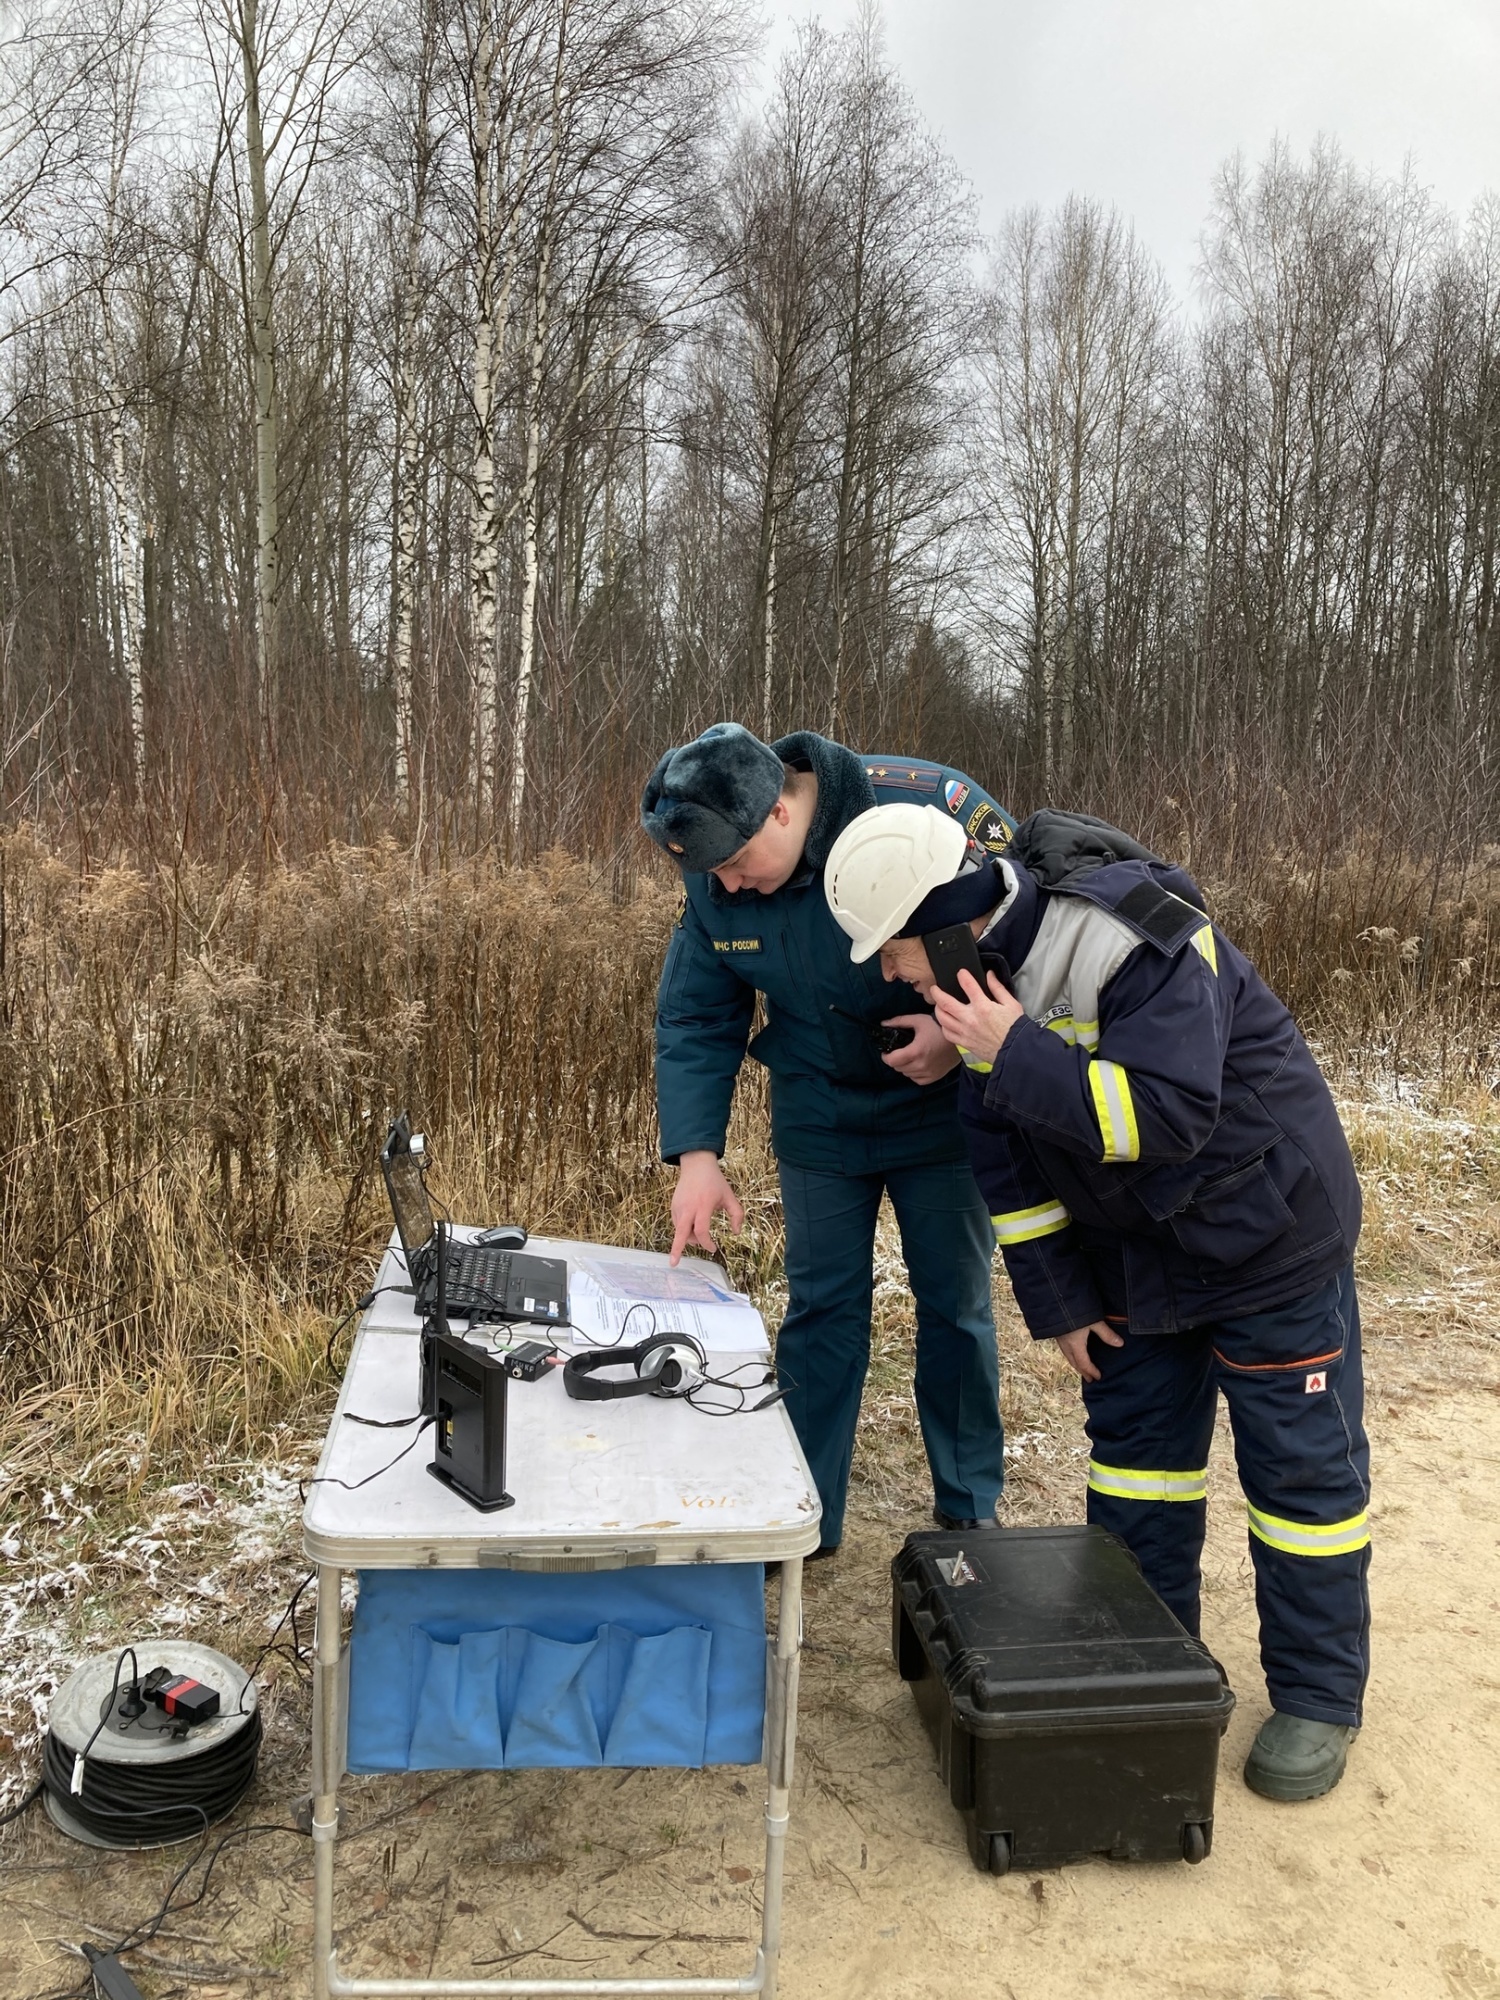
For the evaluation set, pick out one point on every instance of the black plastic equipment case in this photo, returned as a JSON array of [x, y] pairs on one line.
[[1072, 1713]]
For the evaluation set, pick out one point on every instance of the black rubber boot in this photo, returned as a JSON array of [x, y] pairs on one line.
[[951, 1521], [1294, 1759]]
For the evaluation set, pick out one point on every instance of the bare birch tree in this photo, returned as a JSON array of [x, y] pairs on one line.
[[276, 70]]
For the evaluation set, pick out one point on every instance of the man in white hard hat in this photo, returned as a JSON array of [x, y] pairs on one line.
[[1177, 1207]]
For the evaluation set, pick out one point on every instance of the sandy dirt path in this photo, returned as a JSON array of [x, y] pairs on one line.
[[1388, 1887]]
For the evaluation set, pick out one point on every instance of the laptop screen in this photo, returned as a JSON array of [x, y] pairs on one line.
[[409, 1203]]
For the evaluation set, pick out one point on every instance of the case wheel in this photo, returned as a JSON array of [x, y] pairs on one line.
[[989, 1852], [1196, 1837]]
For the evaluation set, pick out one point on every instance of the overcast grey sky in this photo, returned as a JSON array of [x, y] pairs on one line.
[[1137, 102]]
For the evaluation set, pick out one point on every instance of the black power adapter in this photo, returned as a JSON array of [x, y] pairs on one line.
[[180, 1696]]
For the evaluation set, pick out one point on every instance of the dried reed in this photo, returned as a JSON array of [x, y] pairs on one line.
[[196, 1065]]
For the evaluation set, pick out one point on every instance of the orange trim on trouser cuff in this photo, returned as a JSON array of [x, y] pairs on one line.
[[1263, 1367]]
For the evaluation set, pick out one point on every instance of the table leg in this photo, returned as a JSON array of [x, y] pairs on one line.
[[781, 1744], [329, 1724]]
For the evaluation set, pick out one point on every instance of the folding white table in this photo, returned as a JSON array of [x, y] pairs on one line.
[[597, 1486]]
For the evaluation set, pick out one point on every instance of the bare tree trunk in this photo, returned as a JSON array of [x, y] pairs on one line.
[[125, 540], [263, 355], [532, 560], [408, 435], [526, 659], [408, 479], [768, 665], [484, 522]]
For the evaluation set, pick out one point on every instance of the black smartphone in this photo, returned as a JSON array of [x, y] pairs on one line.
[[950, 952]]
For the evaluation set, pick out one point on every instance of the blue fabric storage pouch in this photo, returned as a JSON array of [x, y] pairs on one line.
[[492, 1669]]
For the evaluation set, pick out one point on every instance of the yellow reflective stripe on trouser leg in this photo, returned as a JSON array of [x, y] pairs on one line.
[[1115, 1109], [1308, 1538], [1022, 1225], [1122, 1482]]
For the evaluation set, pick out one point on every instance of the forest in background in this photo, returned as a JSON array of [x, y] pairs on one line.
[[413, 418]]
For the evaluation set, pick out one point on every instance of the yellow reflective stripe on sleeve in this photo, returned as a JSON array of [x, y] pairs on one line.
[[1082, 1034], [1128, 1483], [972, 1062], [1307, 1538], [1115, 1109], [1023, 1225], [1203, 944]]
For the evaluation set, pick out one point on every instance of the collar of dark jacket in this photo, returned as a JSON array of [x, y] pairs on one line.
[[1013, 934], [844, 791]]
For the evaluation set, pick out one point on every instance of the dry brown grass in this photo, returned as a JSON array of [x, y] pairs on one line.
[[196, 1066], [195, 1071]]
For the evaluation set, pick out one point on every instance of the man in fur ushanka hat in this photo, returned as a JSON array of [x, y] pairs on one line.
[[863, 1092]]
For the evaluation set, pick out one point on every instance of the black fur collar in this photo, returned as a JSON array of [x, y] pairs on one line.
[[844, 790]]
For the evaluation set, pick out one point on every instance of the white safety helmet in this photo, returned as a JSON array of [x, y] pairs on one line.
[[882, 866]]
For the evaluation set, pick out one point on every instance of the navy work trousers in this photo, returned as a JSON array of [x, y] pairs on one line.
[[823, 1348], [1294, 1384]]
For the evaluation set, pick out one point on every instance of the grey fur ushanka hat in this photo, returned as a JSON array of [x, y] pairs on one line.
[[705, 799]]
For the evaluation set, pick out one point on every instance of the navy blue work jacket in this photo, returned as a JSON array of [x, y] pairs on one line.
[[835, 1106], [1155, 1139]]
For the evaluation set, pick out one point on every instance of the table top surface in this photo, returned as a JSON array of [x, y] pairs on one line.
[[595, 1485]]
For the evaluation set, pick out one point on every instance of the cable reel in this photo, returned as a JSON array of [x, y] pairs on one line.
[[120, 1770]]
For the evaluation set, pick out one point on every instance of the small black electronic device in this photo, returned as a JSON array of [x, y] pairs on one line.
[[668, 1364], [180, 1695], [886, 1039], [469, 1398], [484, 1281], [528, 1362], [951, 951]]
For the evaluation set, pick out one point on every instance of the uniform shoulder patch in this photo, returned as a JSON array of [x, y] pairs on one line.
[[987, 825], [905, 777], [1165, 919]]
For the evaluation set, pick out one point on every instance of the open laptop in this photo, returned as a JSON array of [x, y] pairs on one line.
[[482, 1280]]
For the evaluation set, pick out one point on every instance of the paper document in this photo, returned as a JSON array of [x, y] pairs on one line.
[[628, 1299], [625, 1278]]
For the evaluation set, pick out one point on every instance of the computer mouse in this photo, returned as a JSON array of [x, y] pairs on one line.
[[504, 1236]]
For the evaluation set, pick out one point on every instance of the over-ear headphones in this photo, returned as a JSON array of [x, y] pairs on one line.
[[668, 1364]]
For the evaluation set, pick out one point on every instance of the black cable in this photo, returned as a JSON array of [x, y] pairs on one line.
[[24, 1805], [109, 1706], [353, 1485], [271, 1647], [144, 1932], [171, 1802], [738, 1389], [361, 1304]]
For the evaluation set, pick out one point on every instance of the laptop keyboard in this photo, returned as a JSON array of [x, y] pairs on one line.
[[475, 1269]]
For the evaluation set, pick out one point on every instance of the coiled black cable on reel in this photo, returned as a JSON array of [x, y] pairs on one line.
[[119, 1772]]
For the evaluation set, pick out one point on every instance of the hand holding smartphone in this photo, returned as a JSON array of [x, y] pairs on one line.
[[950, 952]]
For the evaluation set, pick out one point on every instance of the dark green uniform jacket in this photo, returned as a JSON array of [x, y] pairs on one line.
[[835, 1106]]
